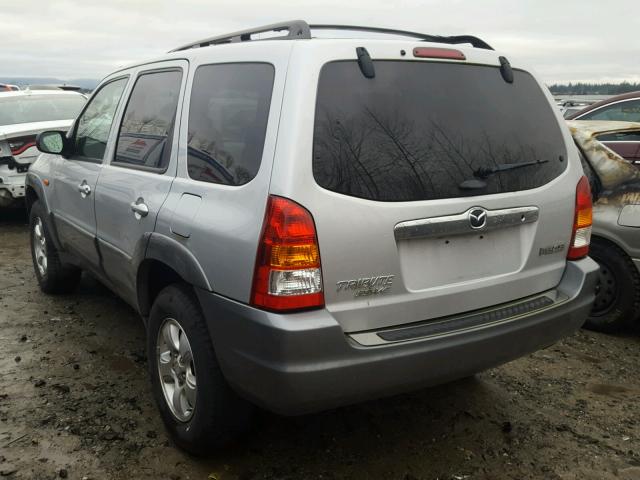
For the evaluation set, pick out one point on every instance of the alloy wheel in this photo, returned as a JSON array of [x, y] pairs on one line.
[[40, 246], [176, 369]]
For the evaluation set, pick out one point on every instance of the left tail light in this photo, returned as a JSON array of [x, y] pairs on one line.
[[20, 144], [287, 274], [583, 220]]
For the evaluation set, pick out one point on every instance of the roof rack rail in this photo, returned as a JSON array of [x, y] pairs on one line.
[[298, 29], [301, 30], [453, 40]]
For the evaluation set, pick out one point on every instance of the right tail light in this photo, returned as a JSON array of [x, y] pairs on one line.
[[583, 220]]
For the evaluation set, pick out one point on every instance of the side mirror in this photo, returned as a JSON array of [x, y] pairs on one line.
[[52, 141]]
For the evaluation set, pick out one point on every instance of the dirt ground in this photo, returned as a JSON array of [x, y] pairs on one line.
[[75, 403]]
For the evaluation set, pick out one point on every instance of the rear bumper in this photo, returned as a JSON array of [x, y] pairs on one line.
[[303, 362], [11, 183]]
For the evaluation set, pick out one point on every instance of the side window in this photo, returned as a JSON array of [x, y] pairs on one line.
[[228, 121], [628, 111], [95, 122], [633, 136], [147, 125]]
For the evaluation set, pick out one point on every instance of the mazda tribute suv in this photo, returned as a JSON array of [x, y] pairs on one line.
[[307, 222]]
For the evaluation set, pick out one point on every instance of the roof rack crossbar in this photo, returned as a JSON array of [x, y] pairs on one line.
[[299, 30]]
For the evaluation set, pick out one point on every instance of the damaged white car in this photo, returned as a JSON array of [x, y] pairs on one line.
[[24, 114]]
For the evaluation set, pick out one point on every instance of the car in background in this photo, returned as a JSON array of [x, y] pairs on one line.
[[615, 241], [568, 107], [24, 114], [6, 87], [72, 88], [621, 108]]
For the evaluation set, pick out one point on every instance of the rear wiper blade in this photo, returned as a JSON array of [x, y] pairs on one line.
[[483, 172]]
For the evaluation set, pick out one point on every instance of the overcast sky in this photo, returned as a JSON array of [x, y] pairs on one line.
[[563, 40]]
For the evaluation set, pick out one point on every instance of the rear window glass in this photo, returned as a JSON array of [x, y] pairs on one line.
[[427, 130], [40, 108], [228, 116]]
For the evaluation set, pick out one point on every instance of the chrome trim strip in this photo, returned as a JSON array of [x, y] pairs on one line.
[[459, 224], [372, 339]]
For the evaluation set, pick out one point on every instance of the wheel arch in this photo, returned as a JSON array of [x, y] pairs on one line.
[[31, 196], [34, 191], [611, 240], [166, 261]]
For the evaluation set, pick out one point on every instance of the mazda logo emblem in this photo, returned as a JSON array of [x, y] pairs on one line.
[[478, 218]]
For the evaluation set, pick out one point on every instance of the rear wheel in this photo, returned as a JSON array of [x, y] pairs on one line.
[[53, 275], [199, 409], [617, 303]]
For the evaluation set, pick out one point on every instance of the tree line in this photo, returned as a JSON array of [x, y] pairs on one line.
[[582, 88]]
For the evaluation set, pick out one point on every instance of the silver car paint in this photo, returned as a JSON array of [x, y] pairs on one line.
[[75, 214], [356, 236], [225, 229], [119, 230]]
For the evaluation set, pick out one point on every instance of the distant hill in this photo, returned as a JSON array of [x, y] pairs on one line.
[[580, 88], [84, 83]]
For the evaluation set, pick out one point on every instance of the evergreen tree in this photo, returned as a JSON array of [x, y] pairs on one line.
[[583, 88]]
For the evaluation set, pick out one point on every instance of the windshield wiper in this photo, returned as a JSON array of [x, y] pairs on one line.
[[483, 172]]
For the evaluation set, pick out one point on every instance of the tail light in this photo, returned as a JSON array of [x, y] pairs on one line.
[[581, 236], [287, 274], [19, 144]]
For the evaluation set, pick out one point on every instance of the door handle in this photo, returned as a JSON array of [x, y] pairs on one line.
[[84, 189], [139, 208]]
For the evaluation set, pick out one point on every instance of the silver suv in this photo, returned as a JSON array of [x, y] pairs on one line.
[[304, 223]]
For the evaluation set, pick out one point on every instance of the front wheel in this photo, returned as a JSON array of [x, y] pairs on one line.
[[199, 409], [53, 275], [617, 303]]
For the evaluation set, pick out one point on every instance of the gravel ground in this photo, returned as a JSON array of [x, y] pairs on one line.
[[75, 403]]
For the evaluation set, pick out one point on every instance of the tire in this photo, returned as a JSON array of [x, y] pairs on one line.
[[617, 304], [211, 414], [53, 276]]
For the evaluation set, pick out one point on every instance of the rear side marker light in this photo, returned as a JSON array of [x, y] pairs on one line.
[[287, 275], [583, 220], [448, 53]]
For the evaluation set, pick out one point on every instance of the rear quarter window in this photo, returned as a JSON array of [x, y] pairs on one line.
[[418, 130], [228, 116]]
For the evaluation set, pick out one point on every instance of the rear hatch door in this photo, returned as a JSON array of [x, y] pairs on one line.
[[437, 188]]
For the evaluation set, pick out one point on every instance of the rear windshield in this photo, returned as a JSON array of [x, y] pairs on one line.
[[39, 108], [427, 130]]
